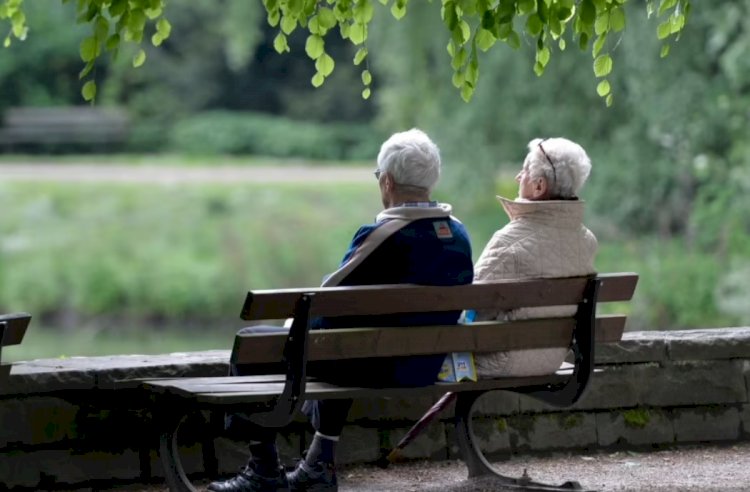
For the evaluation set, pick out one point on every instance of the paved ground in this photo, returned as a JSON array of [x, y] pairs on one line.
[[93, 173], [688, 468]]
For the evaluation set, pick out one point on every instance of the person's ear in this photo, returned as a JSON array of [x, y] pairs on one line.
[[387, 182], [539, 189]]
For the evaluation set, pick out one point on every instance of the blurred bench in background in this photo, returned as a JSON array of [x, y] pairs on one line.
[[45, 128]]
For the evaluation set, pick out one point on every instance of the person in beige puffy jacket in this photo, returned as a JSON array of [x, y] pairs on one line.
[[545, 238]]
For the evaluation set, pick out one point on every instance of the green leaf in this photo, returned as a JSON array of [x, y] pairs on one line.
[[363, 11], [543, 56], [398, 11], [602, 23], [666, 5], [7, 41], [677, 22], [609, 100], [360, 56], [562, 44], [358, 33], [366, 77], [617, 19], [664, 29], [526, 6], [324, 64], [288, 24], [164, 28], [467, 91], [472, 71], [598, 45], [117, 8], [485, 39], [113, 42], [318, 79], [587, 14], [89, 48], [314, 46], [603, 88], [664, 51], [458, 60], [534, 25], [458, 79], [280, 44], [514, 41], [583, 41], [101, 29], [139, 58], [538, 69], [273, 18], [465, 30], [326, 18], [602, 65], [86, 70], [157, 39], [89, 90], [366, 93]]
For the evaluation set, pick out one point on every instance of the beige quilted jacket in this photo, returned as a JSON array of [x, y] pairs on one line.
[[543, 239]]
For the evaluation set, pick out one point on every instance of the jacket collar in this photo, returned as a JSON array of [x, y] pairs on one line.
[[547, 211], [415, 213]]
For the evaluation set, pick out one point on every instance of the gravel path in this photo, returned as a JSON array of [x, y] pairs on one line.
[[687, 468], [92, 173]]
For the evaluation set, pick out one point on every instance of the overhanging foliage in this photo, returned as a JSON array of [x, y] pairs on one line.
[[474, 25]]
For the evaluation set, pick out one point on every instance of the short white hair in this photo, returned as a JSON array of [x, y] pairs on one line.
[[411, 158], [563, 163]]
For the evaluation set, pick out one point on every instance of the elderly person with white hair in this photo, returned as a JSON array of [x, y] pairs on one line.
[[414, 240], [545, 238]]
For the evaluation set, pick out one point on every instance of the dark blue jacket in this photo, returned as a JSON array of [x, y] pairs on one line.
[[415, 254]]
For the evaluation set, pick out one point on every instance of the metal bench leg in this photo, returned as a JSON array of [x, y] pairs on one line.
[[477, 463], [170, 458]]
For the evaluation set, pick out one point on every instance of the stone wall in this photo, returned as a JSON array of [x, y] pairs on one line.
[[63, 425]]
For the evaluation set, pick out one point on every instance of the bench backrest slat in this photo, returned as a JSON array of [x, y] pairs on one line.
[[387, 299], [349, 343]]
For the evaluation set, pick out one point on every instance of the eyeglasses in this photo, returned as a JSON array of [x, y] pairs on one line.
[[377, 174], [554, 171]]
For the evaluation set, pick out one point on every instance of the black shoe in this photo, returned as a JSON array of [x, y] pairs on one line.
[[248, 480], [320, 477]]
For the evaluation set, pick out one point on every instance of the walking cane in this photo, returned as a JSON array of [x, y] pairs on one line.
[[417, 428]]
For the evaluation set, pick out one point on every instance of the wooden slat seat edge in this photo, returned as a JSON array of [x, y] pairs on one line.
[[251, 389]]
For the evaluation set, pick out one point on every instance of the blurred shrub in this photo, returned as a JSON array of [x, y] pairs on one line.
[[227, 132]]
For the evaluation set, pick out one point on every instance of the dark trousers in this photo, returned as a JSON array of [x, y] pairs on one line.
[[326, 416]]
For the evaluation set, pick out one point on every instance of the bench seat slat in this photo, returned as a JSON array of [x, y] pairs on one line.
[[249, 389], [351, 343], [252, 392], [390, 299]]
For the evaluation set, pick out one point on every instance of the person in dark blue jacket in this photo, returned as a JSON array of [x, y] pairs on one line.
[[413, 240]]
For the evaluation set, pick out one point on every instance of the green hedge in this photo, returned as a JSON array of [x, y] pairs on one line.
[[223, 132]]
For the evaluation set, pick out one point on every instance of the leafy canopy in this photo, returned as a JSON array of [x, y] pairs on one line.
[[474, 25]]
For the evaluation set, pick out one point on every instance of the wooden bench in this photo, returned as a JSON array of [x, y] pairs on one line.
[[12, 329], [277, 397], [63, 126]]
